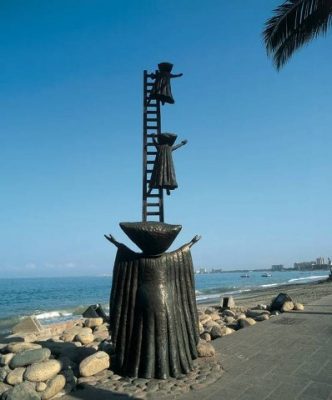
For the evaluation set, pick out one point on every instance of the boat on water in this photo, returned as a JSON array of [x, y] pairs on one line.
[[266, 275], [245, 276]]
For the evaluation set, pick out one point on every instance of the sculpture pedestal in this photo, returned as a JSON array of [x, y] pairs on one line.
[[153, 313]]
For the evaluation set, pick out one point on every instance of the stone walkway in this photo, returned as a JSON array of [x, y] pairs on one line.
[[288, 357]]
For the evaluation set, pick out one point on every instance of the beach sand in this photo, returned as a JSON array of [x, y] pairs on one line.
[[304, 293]]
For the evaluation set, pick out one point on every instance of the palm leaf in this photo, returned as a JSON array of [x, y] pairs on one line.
[[295, 23]]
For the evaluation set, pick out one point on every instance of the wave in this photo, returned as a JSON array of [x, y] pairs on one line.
[[308, 278], [270, 285]]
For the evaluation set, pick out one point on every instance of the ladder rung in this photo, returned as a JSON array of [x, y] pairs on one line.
[[151, 153], [151, 135], [152, 104], [152, 119], [153, 213], [151, 112], [151, 127], [148, 171], [150, 162], [153, 204], [150, 84], [152, 195]]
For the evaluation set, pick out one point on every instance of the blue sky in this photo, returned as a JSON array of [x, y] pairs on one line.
[[254, 179]]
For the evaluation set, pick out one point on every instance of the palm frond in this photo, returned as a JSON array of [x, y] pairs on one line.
[[295, 23]]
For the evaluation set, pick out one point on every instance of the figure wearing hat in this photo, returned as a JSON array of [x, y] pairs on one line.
[[163, 173], [162, 86]]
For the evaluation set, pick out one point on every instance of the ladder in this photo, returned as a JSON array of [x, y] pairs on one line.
[[153, 201]]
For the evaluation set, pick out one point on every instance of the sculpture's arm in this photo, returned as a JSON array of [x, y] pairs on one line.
[[179, 145], [176, 75], [119, 245], [192, 242]]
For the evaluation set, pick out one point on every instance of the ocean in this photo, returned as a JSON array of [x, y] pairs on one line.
[[56, 299]]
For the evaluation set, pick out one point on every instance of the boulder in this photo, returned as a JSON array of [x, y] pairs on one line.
[[41, 386], [215, 316], [15, 376], [298, 306], [94, 364], [3, 388], [29, 357], [43, 371], [69, 334], [287, 306], [54, 386], [93, 322], [228, 313], [5, 358], [85, 338], [205, 349], [206, 336], [23, 391], [245, 322], [229, 320], [227, 331], [216, 331], [21, 346], [100, 328], [4, 372], [256, 313], [262, 317], [203, 319], [278, 301]]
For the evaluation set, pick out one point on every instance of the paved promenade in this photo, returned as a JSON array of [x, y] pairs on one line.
[[286, 358]]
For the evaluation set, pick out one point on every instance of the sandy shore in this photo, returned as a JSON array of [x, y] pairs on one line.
[[302, 293]]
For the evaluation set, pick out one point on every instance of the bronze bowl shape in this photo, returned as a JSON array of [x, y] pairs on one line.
[[151, 237]]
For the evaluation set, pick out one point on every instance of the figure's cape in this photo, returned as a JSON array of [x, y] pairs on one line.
[[153, 313]]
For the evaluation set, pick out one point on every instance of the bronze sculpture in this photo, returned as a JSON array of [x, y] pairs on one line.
[[153, 313], [162, 87], [163, 174]]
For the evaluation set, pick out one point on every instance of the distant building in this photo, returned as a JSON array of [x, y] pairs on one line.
[[215, 270], [305, 265], [320, 261], [277, 267], [202, 271]]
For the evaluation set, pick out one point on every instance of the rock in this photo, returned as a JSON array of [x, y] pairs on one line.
[[42, 371], [262, 317], [209, 325], [100, 328], [298, 306], [29, 357], [94, 364], [200, 327], [23, 391], [93, 322], [229, 320], [3, 388], [226, 331], [278, 302], [215, 316], [68, 335], [54, 386], [21, 346], [260, 307], [203, 319], [3, 373], [216, 331], [256, 313], [274, 313], [227, 302], [205, 350], [287, 306], [240, 316], [228, 313], [209, 311], [41, 386], [206, 336], [245, 322], [85, 338], [5, 358], [16, 376]]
